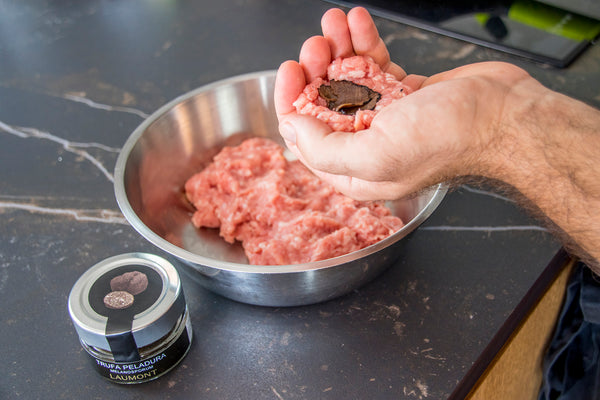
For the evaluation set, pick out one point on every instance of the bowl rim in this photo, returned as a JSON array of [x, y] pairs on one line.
[[439, 192]]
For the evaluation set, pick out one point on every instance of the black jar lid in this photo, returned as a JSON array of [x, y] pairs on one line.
[[126, 302]]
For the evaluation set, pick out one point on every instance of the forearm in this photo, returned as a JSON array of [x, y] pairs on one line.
[[550, 153]]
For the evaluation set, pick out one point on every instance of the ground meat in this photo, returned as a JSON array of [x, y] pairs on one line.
[[279, 210], [361, 70]]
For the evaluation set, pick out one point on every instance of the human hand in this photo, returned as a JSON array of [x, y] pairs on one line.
[[448, 127]]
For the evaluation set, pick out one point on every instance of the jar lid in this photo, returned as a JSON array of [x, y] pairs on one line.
[[126, 302]]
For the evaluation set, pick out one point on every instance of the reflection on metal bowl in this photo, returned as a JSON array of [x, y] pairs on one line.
[[180, 139]]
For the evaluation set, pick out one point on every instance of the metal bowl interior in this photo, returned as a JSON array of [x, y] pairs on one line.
[[179, 140]]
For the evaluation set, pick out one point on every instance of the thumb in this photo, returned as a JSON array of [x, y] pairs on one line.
[[323, 152], [322, 149]]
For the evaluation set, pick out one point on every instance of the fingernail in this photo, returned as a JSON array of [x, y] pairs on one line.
[[288, 132]]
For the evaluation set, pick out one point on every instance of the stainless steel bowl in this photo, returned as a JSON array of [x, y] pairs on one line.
[[180, 139]]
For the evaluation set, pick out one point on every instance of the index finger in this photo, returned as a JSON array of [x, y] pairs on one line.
[[367, 42], [334, 25], [289, 83]]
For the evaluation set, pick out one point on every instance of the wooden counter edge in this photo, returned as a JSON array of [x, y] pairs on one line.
[[516, 371]]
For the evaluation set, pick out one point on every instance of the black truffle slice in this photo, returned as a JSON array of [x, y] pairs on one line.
[[118, 300], [134, 282], [347, 97]]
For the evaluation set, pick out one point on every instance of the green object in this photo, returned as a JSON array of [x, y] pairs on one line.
[[554, 20], [482, 18]]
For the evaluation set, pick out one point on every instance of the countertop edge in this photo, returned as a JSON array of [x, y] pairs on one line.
[[512, 323]]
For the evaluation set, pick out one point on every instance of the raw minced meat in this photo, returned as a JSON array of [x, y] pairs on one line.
[[361, 70], [280, 211]]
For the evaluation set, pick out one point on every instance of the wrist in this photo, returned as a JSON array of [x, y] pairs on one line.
[[548, 151], [517, 138]]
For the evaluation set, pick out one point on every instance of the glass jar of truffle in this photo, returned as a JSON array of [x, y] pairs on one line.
[[131, 317]]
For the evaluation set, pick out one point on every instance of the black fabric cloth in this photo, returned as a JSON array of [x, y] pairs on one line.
[[572, 363]]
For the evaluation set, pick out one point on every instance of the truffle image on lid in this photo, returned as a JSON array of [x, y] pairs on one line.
[[131, 317]]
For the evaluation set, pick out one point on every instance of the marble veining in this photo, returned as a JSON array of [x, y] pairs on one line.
[[105, 107], [485, 228], [79, 149], [486, 193], [72, 147], [104, 216]]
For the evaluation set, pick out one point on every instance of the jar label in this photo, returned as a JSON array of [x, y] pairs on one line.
[[120, 294], [148, 368]]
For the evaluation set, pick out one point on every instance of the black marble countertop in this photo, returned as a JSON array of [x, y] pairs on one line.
[[77, 77]]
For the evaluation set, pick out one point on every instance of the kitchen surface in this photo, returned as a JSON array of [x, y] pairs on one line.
[[77, 78]]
